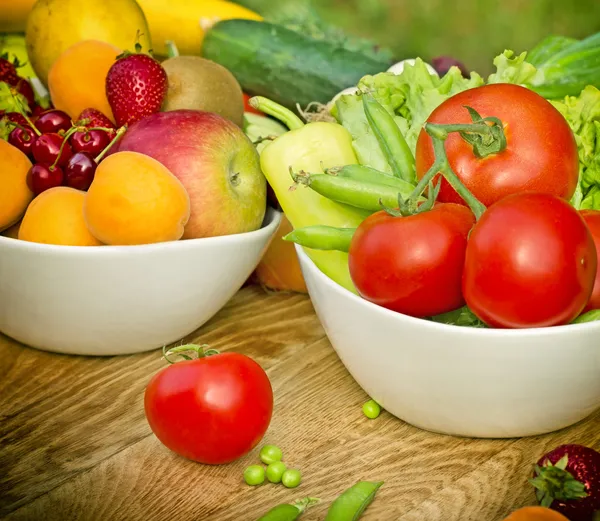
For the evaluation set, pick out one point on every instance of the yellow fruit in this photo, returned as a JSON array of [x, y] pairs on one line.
[[13, 231], [14, 192], [185, 21], [56, 217], [77, 79], [55, 25], [134, 199], [13, 15]]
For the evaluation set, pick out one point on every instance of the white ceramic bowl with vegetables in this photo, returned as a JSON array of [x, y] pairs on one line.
[[116, 300], [492, 383]]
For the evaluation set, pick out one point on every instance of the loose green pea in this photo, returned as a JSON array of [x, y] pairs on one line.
[[270, 454], [254, 475], [291, 478], [371, 409], [275, 471]]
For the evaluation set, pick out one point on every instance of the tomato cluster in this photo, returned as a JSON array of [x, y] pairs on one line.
[[529, 261]]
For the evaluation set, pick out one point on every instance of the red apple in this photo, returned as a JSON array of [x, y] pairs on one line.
[[218, 165]]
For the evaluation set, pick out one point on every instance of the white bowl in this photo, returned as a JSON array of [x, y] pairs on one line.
[[114, 300], [489, 383]]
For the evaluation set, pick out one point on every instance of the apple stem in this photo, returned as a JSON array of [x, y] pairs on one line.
[[119, 133]]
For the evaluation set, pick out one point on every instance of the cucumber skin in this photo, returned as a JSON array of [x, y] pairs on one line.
[[289, 68]]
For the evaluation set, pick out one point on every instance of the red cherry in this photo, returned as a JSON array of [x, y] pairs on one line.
[[47, 148], [43, 177], [38, 110], [23, 138], [93, 141], [80, 170], [53, 121]]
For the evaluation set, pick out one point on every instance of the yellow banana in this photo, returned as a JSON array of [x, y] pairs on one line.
[[13, 15], [185, 21]]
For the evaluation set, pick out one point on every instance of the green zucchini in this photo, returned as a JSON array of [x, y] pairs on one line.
[[285, 66]]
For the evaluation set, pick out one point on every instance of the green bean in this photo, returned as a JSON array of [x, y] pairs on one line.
[[351, 504], [289, 512], [368, 196], [366, 174], [320, 237], [390, 138]]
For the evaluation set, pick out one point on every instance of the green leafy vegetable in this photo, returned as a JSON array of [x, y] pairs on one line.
[[460, 317], [11, 100], [547, 48], [513, 70], [409, 97]]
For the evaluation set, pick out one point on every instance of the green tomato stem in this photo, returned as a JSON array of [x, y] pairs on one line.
[[200, 350], [276, 110]]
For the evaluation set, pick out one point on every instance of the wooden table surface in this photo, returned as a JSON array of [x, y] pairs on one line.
[[75, 445]]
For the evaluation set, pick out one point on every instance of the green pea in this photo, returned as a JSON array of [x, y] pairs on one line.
[[371, 409], [275, 471], [291, 478], [270, 454], [351, 504], [254, 475], [287, 512]]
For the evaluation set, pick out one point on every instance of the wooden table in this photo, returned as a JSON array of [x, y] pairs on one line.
[[75, 445]]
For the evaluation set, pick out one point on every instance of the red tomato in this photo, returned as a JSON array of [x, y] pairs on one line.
[[250, 108], [592, 219], [213, 410], [541, 153], [413, 264], [531, 262]]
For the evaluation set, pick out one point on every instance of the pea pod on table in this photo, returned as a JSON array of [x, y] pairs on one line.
[[351, 504], [289, 512]]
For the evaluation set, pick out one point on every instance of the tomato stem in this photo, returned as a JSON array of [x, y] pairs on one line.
[[200, 350]]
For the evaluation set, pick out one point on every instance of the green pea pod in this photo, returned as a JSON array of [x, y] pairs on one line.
[[366, 174], [590, 316], [287, 512], [390, 139], [321, 237], [366, 196], [351, 504]]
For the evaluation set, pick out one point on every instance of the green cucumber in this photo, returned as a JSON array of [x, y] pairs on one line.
[[287, 67]]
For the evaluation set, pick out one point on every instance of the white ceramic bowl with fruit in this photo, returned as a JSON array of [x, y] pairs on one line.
[[492, 383], [114, 300]]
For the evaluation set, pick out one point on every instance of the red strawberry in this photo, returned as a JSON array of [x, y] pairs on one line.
[[95, 118], [567, 480], [17, 118], [136, 85], [8, 71], [24, 87]]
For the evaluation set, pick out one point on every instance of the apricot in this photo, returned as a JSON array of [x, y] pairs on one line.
[[535, 514], [77, 79], [134, 199], [56, 217], [13, 231], [15, 195]]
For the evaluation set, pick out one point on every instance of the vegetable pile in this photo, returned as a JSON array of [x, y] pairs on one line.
[[455, 199]]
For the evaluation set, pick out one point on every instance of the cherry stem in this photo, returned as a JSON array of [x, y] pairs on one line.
[[24, 114], [66, 137], [200, 350], [119, 133]]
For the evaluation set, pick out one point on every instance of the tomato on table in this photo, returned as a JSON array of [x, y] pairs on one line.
[[213, 409], [412, 265], [530, 262], [541, 152]]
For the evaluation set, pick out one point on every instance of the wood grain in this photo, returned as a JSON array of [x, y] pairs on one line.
[[74, 443]]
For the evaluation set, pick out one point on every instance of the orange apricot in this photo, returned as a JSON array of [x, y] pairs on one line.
[[15, 195], [56, 217], [536, 514], [77, 79], [134, 199]]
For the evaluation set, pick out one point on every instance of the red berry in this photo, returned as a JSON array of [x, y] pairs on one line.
[[17, 118], [47, 148], [80, 170], [94, 118], [8, 72], [53, 121], [136, 85], [43, 177], [23, 138], [37, 111], [93, 141], [24, 87]]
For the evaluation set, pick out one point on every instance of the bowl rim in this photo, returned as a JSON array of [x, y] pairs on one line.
[[440, 326], [270, 223]]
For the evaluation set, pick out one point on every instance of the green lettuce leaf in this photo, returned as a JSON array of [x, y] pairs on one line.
[[409, 97], [583, 115], [459, 317], [514, 70]]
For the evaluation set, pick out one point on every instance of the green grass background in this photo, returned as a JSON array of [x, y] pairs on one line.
[[473, 31]]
